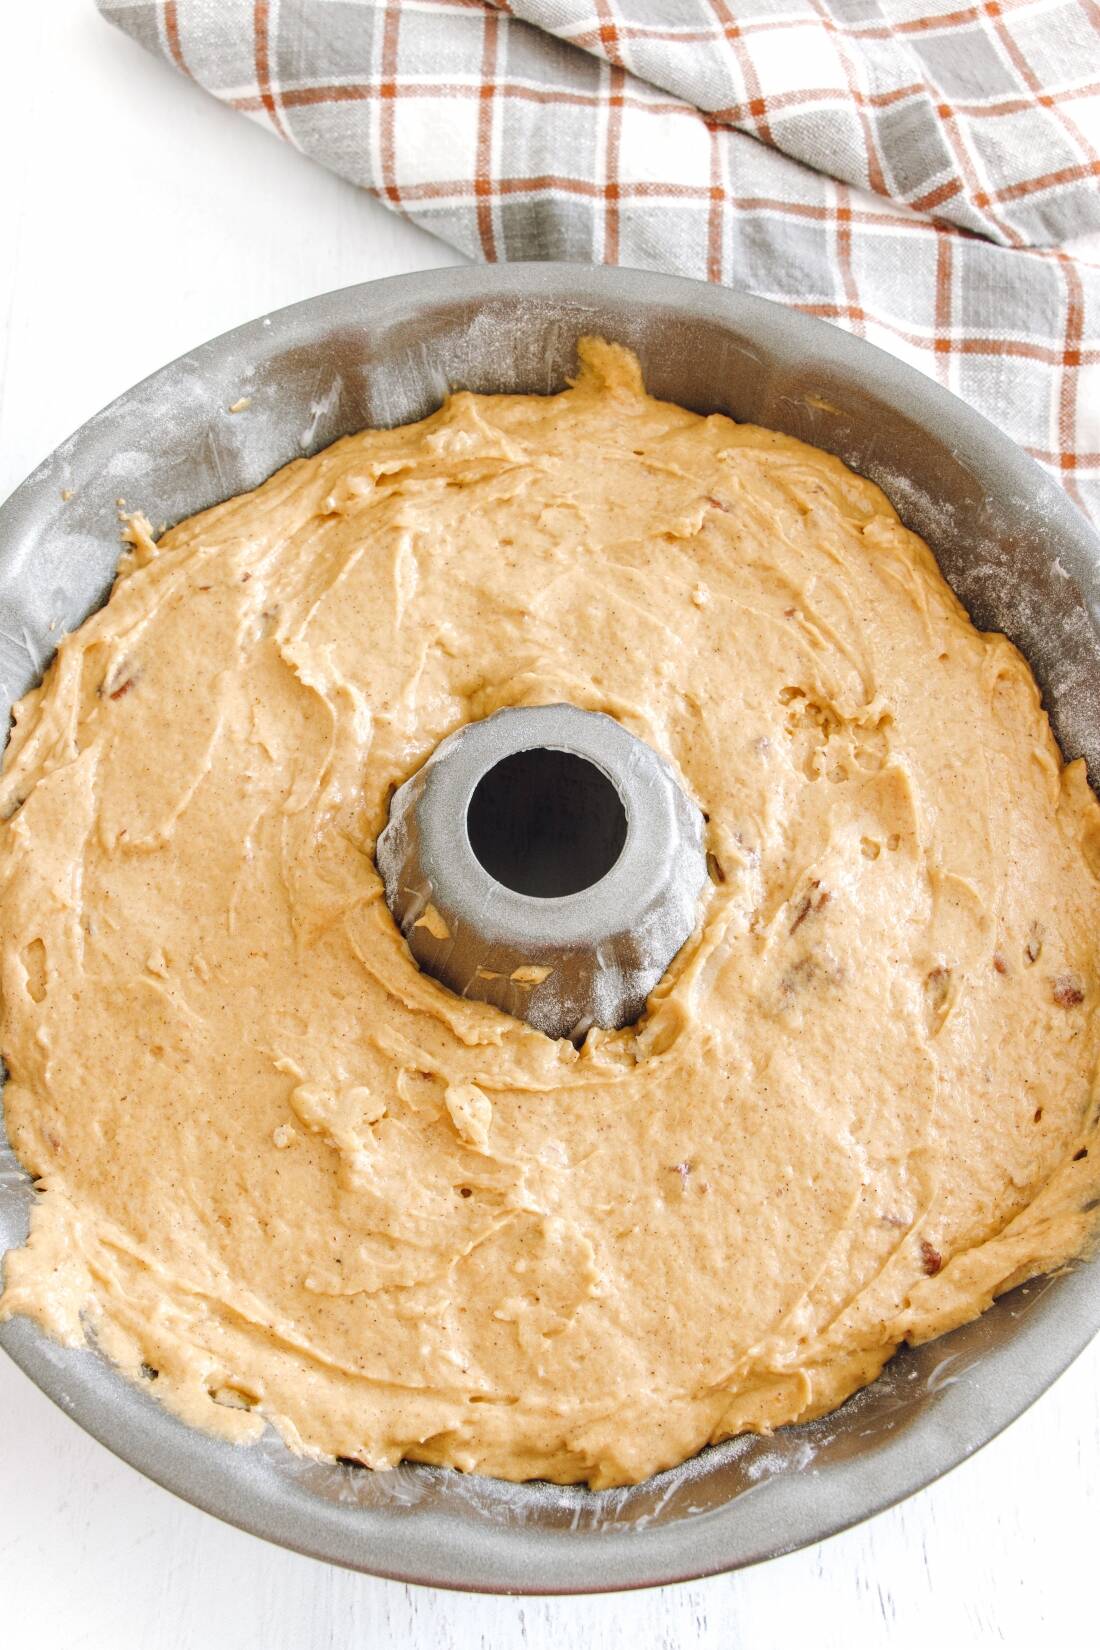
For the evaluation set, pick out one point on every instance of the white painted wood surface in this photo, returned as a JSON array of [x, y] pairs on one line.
[[138, 219]]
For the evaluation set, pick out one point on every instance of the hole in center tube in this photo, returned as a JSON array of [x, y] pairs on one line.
[[546, 823]]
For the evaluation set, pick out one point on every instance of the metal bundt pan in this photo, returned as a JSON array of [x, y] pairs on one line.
[[1019, 556]]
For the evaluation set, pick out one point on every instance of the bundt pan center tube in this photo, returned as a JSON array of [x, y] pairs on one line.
[[547, 861], [1018, 555]]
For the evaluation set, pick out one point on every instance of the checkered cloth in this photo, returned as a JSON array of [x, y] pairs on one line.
[[911, 171]]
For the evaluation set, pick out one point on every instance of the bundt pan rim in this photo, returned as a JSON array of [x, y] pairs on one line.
[[1020, 557]]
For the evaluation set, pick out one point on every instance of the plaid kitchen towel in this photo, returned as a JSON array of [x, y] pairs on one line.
[[910, 169]]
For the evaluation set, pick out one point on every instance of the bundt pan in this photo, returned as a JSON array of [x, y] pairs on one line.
[[1017, 553]]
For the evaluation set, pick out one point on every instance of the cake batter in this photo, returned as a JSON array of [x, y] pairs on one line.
[[285, 1177]]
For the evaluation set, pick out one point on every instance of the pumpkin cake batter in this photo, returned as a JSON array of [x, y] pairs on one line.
[[295, 1180]]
